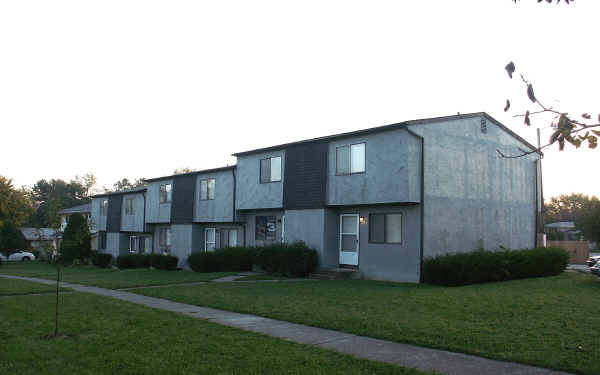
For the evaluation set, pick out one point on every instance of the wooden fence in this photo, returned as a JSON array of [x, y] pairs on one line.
[[579, 250]]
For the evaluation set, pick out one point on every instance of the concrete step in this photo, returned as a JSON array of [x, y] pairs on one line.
[[335, 274]]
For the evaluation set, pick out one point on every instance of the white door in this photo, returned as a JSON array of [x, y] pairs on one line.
[[210, 239], [349, 239]]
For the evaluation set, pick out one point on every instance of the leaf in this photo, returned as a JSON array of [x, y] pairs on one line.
[[507, 105], [530, 93], [597, 132], [510, 69], [527, 120], [561, 144], [586, 116]]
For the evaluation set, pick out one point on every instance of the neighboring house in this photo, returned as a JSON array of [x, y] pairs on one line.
[[86, 211], [379, 200], [563, 231], [37, 238]]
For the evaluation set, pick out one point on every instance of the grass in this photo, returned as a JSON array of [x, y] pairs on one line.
[[100, 335], [9, 287], [107, 278], [550, 322]]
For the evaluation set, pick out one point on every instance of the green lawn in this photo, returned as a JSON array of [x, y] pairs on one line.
[[551, 322], [9, 287], [107, 336], [107, 278]]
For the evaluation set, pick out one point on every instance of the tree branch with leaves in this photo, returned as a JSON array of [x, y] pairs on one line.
[[569, 128]]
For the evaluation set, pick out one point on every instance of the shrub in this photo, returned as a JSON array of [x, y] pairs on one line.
[[101, 260], [133, 261], [166, 262], [296, 259], [225, 259], [485, 266], [204, 261]]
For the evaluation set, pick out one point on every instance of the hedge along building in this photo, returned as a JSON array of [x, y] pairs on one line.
[[379, 199]]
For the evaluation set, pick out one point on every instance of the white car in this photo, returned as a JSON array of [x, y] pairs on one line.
[[19, 255]]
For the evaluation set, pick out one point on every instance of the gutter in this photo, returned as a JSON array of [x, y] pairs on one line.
[[422, 200]]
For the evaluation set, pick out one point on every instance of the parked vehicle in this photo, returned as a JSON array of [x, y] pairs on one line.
[[19, 255], [596, 269], [592, 260]]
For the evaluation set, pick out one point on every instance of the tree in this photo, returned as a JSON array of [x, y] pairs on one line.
[[589, 222], [568, 207], [15, 204], [61, 194], [11, 238], [569, 128], [125, 184], [183, 170], [75, 240]]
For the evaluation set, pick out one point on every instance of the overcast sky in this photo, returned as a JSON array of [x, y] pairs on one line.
[[139, 88]]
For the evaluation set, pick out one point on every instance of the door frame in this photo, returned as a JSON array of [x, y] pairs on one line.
[[341, 233]]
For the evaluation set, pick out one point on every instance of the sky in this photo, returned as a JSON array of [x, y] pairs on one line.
[[137, 89]]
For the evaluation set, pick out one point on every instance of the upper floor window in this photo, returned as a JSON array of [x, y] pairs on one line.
[[385, 228], [207, 189], [270, 169], [165, 193], [350, 159], [130, 206], [103, 207]]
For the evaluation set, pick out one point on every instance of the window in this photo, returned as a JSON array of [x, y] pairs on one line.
[[350, 159], [207, 189], [385, 228], [133, 244], [165, 193], [266, 228], [102, 240], [130, 206], [210, 239], [228, 237], [103, 207], [164, 239], [270, 170]]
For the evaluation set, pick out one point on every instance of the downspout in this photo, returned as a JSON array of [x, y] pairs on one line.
[[233, 218], [537, 213], [421, 203]]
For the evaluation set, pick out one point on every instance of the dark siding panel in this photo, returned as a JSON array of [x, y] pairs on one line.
[[182, 201], [305, 176], [113, 219]]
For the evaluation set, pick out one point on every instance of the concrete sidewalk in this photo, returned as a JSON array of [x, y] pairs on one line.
[[424, 359]]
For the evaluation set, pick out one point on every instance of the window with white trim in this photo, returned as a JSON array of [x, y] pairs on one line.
[[207, 189], [270, 169], [103, 207], [210, 239], [165, 193], [164, 239], [385, 228], [229, 237], [350, 159], [130, 206], [133, 244]]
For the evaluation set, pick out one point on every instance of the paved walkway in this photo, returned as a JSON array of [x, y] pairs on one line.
[[424, 359]]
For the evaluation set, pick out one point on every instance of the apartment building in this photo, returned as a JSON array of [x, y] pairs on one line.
[[378, 200]]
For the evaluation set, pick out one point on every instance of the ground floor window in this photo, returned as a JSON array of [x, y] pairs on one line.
[[385, 228], [164, 239], [210, 239], [266, 228], [133, 244], [229, 237], [102, 240]]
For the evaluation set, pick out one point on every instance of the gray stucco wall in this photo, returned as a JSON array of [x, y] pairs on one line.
[[250, 218], [473, 196], [308, 226], [181, 242], [157, 212], [251, 194], [115, 244], [392, 171], [219, 209], [135, 222], [98, 222]]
